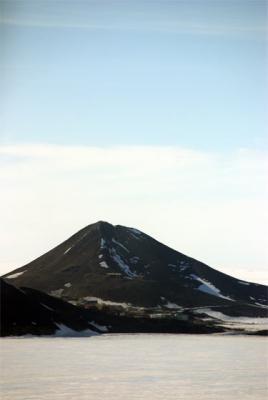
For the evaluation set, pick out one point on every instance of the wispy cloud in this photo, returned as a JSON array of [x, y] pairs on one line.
[[208, 205], [161, 26]]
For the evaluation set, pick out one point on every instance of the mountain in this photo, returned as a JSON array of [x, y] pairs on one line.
[[28, 311], [123, 269]]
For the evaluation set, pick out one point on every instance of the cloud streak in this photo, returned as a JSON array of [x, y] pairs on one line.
[[161, 26]]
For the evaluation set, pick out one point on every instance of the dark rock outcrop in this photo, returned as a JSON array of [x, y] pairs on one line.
[[28, 311]]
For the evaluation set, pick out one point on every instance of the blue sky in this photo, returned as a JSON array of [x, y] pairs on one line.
[[188, 73], [149, 114]]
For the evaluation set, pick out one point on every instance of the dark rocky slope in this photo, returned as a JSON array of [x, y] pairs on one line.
[[105, 263], [28, 311]]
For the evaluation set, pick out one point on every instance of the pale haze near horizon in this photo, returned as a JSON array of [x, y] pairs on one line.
[[145, 114]]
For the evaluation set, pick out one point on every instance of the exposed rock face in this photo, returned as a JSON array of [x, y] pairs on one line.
[[123, 265], [28, 311]]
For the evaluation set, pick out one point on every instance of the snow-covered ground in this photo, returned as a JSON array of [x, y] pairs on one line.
[[247, 323]]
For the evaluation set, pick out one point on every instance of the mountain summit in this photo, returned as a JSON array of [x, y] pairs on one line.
[[121, 265]]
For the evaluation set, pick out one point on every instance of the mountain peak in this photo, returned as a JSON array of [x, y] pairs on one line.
[[98, 225], [118, 263], [107, 229], [102, 223]]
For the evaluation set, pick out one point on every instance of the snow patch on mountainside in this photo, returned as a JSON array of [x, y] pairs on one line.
[[134, 260], [223, 317], [106, 302], [67, 251], [169, 304], [181, 266], [57, 292], [78, 241], [208, 287], [120, 245], [48, 308], [257, 302], [102, 244], [261, 305], [135, 233], [122, 265], [103, 264], [172, 306], [13, 276]]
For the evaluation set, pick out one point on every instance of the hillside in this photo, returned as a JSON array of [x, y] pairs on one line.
[[118, 267]]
